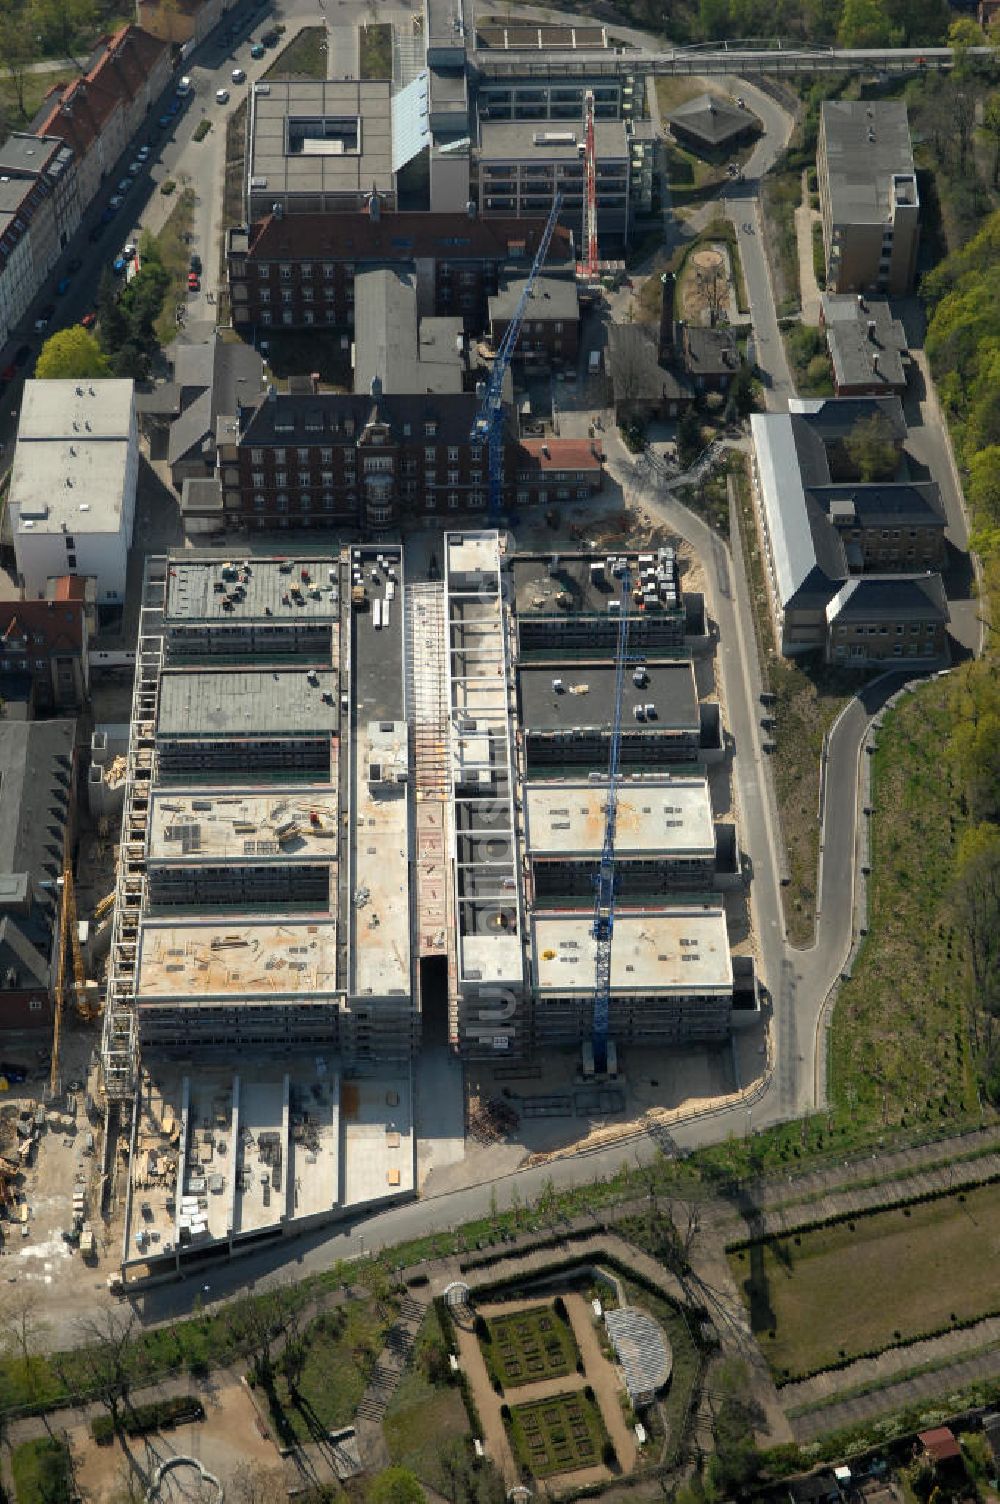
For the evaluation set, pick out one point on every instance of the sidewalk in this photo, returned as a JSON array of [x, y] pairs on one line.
[[809, 290]]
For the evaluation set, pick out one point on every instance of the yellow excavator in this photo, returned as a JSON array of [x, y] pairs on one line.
[[69, 929]]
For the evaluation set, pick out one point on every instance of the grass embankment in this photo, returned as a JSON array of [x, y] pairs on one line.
[[809, 359], [809, 698], [43, 1472], [830, 1295], [375, 50], [175, 254], [899, 1052], [304, 57], [780, 196], [341, 1350], [425, 1420]]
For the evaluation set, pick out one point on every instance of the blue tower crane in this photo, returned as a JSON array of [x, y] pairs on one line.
[[604, 894], [488, 424]]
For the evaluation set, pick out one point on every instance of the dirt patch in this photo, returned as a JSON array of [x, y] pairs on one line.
[[228, 1438], [705, 285]]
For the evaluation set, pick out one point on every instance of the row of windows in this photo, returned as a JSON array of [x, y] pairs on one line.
[[307, 456], [915, 629], [326, 503]]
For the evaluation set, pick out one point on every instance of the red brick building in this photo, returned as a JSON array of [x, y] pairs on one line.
[[297, 272], [551, 471], [44, 644]]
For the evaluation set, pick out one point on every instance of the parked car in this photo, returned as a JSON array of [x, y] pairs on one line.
[[89, 320], [124, 184], [107, 215], [196, 263], [194, 282], [185, 86], [135, 168], [143, 153], [129, 249], [44, 317], [114, 204], [118, 266], [238, 76], [222, 96], [257, 50], [164, 121], [271, 38], [63, 286]]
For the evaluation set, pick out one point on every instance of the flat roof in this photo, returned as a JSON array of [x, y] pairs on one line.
[[220, 589], [193, 959], [71, 459], [320, 136], [681, 949], [199, 702], [867, 144], [294, 824], [669, 816], [551, 140], [584, 584], [392, 345], [586, 699], [551, 298], [379, 876]]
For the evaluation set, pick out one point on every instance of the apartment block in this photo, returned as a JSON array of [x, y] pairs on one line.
[[40, 210], [868, 196], [522, 165], [45, 647], [73, 484]]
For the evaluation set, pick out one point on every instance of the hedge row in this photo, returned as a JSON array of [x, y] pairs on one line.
[[156, 1416], [549, 1240], [741, 1245]]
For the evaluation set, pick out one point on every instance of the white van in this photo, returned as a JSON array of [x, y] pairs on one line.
[[185, 86]]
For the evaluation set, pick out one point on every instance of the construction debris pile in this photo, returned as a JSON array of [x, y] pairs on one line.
[[489, 1122]]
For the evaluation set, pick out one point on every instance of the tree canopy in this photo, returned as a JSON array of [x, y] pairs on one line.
[[71, 352], [396, 1485]]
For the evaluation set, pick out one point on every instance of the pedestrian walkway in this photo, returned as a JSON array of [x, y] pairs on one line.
[[809, 289], [861, 1409]]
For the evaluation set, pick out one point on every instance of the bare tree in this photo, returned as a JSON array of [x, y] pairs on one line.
[[250, 1484], [106, 1358]]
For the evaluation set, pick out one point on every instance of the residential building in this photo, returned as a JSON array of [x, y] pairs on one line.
[[73, 484], [181, 21], [44, 646], [299, 273], [37, 814], [550, 330], [881, 617], [868, 196], [647, 380], [868, 348], [97, 113], [558, 471], [319, 147], [819, 526], [712, 126], [39, 212]]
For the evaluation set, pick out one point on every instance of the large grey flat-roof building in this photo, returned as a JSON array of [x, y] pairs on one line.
[[522, 164], [317, 146], [868, 196]]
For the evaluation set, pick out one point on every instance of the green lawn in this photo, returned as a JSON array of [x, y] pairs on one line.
[[557, 1435], [899, 1048], [342, 1348], [424, 1419], [836, 1293], [43, 1472], [781, 194], [36, 86], [304, 57], [375, 50], [175, 253], [525, 1346]]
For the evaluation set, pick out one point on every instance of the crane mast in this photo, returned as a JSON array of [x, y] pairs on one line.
[[487, 427], [604, 887], [590, 268]]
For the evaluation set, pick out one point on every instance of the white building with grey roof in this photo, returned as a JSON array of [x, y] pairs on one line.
[[73, 484], [868, 196]]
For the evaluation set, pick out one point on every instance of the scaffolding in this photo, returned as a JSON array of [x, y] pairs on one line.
[[120, 1042]]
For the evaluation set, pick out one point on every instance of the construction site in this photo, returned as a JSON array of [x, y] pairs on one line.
[[340, 860]]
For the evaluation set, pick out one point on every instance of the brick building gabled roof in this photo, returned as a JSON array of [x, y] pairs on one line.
[[561, 454], [58, 623], [119, 67]]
